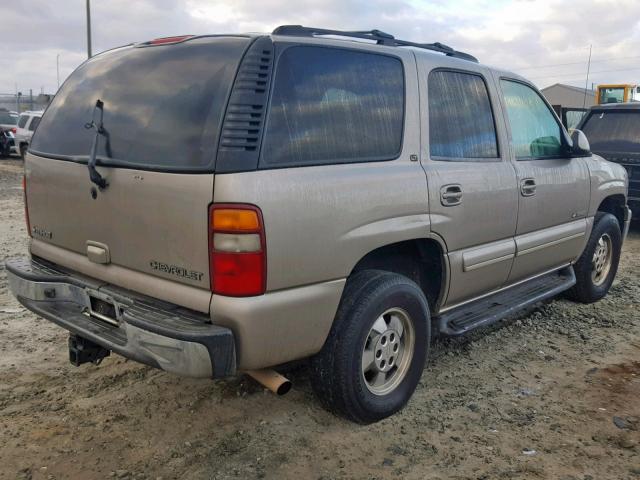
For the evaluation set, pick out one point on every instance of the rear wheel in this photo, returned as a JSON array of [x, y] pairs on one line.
[[5, 148], [374, 356], [597, 266], [23, 151]]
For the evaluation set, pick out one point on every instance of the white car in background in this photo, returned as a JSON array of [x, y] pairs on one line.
[[27, 124], [8, 121]]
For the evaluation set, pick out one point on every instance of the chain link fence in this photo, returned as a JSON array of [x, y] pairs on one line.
[[21, 102]]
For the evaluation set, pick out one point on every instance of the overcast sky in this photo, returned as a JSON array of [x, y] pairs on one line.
[[544, 40]]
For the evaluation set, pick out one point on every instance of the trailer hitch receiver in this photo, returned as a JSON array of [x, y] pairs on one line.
[[82, 351]]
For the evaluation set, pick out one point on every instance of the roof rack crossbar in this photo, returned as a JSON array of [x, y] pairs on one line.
[[380, 37]]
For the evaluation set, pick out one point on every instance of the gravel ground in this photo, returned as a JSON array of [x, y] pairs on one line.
[[553, 394]]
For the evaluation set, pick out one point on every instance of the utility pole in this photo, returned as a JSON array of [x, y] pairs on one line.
[[89, 29], [58, 69]]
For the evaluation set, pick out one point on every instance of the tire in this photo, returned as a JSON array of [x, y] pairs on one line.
[[339, 379], [23, 151], [596, 269]]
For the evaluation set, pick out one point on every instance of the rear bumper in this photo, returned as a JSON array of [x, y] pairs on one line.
[[155, 333]]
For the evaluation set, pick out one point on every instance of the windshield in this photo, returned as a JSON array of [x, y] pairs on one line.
[[612, 95], [7, 118], [163, 105], [615, 131]]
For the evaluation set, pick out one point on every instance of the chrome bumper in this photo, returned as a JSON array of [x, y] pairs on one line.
[[146, 330], [627, 223]]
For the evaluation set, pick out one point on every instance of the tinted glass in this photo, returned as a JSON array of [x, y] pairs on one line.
[[613, 131], [7, 118], [23, 120], [534, 130], [331, 105], [34, 123], [162, 105], [461, 122]]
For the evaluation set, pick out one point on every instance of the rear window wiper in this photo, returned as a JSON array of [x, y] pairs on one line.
[[94, 175]]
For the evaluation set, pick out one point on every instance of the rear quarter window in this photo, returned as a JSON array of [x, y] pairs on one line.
[[23, 121], [332, 105], [34, 123]]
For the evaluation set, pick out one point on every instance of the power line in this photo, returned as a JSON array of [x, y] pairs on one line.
[[577, 63], [581, 74]]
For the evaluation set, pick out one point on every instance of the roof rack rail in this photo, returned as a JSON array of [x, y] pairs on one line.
[[380, 37]]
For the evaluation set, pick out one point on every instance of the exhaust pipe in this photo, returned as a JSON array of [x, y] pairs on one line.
[[271, 379]]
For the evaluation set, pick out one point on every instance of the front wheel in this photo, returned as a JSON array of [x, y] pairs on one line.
[[597, 266], [374, 356]]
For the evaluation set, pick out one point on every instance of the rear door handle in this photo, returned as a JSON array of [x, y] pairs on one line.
[[451, 195], [528, 187]]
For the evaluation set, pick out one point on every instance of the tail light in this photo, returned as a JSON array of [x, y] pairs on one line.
[[237, 250], [26, 207], [14, 130]]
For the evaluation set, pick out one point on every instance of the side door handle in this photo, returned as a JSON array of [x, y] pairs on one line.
[[528, 187], [451, 195]]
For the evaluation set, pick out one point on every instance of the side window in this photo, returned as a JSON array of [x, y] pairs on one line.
[[535, 131], [34, 123], [461, 124], [334, 105], [23, 120]]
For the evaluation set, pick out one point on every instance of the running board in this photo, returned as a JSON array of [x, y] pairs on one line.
[[495, 307]]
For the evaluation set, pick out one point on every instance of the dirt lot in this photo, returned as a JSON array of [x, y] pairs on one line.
[[551, 395]]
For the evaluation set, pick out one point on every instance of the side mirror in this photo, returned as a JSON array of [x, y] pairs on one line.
[[581, 145]]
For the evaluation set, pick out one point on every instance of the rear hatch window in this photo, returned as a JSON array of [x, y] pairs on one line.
[[163, 105], [613, 131], [7, 118]]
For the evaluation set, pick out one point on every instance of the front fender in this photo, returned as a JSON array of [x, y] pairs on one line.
[[607, 179]]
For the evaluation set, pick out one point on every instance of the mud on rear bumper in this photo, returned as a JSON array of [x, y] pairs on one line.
[[149, 331]]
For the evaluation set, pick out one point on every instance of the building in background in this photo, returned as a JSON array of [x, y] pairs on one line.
[[569, 96], [569, 102]]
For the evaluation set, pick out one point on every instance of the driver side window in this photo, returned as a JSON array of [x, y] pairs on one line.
[[534, 130]]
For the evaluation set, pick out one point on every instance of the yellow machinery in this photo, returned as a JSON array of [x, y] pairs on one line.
[[617, 93]]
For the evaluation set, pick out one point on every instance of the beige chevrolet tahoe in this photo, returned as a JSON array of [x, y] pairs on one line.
[[211, 205]]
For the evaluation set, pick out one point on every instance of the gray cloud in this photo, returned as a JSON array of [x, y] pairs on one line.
[[515, 35]]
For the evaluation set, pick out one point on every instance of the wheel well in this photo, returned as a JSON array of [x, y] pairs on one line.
[[421, 260], [614, 205]]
